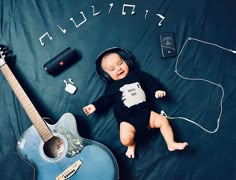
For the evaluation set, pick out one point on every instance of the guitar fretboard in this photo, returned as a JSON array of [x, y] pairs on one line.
[[26, 103]]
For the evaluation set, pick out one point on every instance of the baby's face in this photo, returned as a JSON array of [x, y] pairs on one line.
[[115, 66]]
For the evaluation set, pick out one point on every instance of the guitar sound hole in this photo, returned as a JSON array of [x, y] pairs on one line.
[[54, 147]]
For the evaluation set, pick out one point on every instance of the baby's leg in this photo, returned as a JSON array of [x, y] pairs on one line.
[[127, 134], [159, 121]]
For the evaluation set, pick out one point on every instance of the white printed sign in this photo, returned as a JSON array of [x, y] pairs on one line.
[[132, 94]]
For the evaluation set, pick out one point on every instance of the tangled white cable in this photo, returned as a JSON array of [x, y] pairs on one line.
[[200, 79]]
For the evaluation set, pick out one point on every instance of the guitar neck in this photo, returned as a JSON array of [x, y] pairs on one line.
[[29, 108]]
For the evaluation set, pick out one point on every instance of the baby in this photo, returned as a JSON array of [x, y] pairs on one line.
[[129, 90]]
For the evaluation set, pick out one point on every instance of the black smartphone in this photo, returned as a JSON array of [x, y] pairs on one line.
[[168, 46]]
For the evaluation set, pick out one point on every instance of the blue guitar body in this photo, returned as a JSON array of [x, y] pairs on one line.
[[94, 160]]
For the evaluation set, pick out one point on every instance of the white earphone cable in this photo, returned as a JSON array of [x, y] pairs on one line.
[[200, 79]]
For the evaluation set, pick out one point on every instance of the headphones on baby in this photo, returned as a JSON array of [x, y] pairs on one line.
[[124, 54]]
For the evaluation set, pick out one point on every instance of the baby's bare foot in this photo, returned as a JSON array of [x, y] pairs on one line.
[[177, 146], [130, 151]]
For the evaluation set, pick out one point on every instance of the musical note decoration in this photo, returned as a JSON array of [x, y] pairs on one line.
[[41, 38], [62, 30], [125, 9], [111, 6], [130, 6], [95, 14], [78, 25], [162, 19]]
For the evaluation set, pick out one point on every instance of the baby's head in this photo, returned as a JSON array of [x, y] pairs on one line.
[[115, 66]]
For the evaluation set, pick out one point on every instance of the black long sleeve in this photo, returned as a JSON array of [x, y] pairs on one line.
[[103, 102]]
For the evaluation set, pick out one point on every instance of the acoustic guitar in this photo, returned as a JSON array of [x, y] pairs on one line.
[[57, 151]]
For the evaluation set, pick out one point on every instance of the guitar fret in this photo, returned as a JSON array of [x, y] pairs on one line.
[[29, 108]]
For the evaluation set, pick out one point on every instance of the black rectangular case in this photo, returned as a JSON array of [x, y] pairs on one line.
[[168, 46]]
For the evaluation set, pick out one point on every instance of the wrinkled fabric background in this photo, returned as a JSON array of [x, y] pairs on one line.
[[208, 156]]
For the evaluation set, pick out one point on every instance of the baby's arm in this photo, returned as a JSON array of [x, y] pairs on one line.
[[89, 109], [160, 94]]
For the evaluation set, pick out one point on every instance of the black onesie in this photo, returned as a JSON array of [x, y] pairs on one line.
[[129, 97]]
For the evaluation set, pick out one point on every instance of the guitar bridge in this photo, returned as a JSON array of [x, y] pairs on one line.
[[69, 171]]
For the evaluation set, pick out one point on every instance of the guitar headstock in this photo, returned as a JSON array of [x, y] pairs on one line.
[[4, 53]]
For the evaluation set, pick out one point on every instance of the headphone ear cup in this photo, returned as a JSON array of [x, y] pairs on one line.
[[129, 62], [101, 73], [126, 56], [106, 77]]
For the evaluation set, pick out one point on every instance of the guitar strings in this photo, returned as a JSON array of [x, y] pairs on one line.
[[61, 164], [200, 79]]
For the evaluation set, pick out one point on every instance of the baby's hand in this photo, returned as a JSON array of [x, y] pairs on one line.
[[160, 94], [89, 109]]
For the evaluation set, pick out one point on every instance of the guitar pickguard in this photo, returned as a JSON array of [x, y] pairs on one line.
[[74, 143]]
